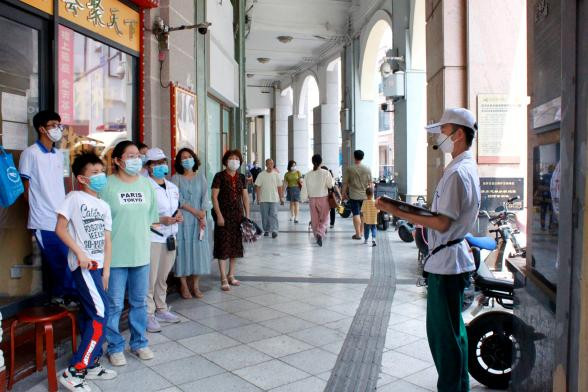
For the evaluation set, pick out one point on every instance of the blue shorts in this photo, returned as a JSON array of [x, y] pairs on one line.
[[355, 206]]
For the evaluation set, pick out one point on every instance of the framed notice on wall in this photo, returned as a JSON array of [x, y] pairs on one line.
[[501, 120], [183, 119]]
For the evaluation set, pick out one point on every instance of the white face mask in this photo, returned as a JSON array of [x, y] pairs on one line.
[[234, 164], [445, 143], [293, 168], [55, 134]]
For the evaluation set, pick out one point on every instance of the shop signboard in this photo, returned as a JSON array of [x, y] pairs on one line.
[[42, 5], [65, 73], [109, 18], [496, 191], [500, 118]]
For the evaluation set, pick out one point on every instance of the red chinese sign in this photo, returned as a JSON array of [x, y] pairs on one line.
[[65, 71]]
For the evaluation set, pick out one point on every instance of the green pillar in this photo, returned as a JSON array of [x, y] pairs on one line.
[[239, 135]]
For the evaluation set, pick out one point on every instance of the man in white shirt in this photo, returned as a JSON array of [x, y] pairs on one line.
[[41, 169], [268, 187], [456, 204]]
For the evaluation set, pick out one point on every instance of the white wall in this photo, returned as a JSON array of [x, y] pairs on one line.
[[223, 70], [257, 100]]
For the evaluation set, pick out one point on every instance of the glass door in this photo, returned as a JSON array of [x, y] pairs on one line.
[[24, 88]]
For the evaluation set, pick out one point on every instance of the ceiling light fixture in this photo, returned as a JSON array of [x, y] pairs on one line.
[[250, 75], [285, 39], [263, 60]]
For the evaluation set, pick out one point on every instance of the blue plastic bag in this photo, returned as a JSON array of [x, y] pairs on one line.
[[10, 183]]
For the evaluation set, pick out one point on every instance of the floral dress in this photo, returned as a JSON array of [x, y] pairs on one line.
[[228, 241]]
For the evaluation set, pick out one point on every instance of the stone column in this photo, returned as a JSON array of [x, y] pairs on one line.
[[326, 117], [446, 71], [298, 142], [283, 109]]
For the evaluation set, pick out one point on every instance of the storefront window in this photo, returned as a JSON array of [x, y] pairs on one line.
[[96, 94], [19, 89], [213, 139]]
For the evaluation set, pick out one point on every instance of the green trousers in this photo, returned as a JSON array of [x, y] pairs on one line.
[[446, 331]]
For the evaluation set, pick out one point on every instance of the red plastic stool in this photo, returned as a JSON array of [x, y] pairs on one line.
[[43, 318]]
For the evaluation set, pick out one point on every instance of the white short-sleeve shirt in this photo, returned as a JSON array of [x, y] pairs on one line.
[[168, 202], [88, 220], [458, 197], [269, 184], [44, 170]]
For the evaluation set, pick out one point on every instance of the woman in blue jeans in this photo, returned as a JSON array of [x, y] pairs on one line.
[[133, 205]]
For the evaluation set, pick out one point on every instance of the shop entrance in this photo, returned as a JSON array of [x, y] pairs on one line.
[[25, 66]]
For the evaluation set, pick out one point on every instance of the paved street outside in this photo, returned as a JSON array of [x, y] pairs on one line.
[[283, 328]]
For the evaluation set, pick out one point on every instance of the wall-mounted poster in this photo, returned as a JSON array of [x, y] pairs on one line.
[[497, 191], [184, 119], [500, 116]]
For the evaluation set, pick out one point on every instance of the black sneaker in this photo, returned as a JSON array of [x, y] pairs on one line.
[[266, 234], [274, 234], [373, 243], [319, 241]]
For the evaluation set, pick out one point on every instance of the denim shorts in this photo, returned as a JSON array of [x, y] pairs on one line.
[[355, 206]]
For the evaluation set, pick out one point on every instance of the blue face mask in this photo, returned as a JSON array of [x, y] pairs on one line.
[[143, 159], [160, 171], [97, 182], [133, 166], [188, 163]]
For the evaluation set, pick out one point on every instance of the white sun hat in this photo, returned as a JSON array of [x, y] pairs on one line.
[[458, 116]]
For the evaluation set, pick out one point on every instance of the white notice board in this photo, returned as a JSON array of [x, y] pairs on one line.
[[501, 120]]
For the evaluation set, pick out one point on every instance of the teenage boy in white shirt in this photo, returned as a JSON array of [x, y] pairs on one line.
[[41, 169], [84, 224]]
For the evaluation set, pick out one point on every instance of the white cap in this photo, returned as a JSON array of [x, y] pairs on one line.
[[458, 116], [155, 154]]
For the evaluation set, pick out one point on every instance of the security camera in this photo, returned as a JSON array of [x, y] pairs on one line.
[[203, 27], [384, 107]]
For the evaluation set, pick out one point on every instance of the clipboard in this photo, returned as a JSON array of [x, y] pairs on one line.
[[407, 207]]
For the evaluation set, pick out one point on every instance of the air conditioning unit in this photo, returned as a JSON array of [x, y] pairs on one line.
[[393, 85]]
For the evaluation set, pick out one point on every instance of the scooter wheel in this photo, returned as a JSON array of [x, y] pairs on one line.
[[495, 349]]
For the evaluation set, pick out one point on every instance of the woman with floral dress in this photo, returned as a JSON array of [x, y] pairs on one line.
[[230, 202]]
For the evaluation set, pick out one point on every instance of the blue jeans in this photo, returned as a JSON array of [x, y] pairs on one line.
[[137, 279], [54, 256], [366, 231]]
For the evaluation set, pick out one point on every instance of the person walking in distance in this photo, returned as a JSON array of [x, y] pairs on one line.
[[292, 185], [356, 179], [369, 213], [269, 194], [315, 189], [456, 204]]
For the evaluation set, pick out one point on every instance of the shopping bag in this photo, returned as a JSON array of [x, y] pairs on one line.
[[10, 183]]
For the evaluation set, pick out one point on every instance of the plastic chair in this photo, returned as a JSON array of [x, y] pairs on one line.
[[42, 318]]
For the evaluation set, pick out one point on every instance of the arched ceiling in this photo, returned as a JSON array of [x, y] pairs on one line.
[[316, 27]]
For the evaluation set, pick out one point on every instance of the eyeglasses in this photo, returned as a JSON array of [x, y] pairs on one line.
[[132, 156], [58, 126]]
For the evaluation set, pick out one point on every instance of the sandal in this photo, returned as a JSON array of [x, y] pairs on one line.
[[225, 285], [185, 293], [233, 281]]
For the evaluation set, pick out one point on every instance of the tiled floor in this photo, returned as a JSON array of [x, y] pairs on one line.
[[281, 336]]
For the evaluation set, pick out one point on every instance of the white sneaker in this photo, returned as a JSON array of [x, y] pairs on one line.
[[144, 353], [117, 359], [165, 316], [99, 372], [73, 380]]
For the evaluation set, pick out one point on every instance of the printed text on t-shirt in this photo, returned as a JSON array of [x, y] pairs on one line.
[[131, 198], [94, 227]]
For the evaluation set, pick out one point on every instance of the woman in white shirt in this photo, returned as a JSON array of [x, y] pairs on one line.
[[163, 243], [315, 188]]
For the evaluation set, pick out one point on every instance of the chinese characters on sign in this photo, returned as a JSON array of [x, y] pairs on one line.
[[501, 122], [66, 74], [496, 191], [110, 18]]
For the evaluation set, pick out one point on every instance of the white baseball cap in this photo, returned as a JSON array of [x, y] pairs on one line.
[[155, 154], [458, 116]]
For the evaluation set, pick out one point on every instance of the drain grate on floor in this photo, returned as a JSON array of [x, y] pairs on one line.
[[360, 359]]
